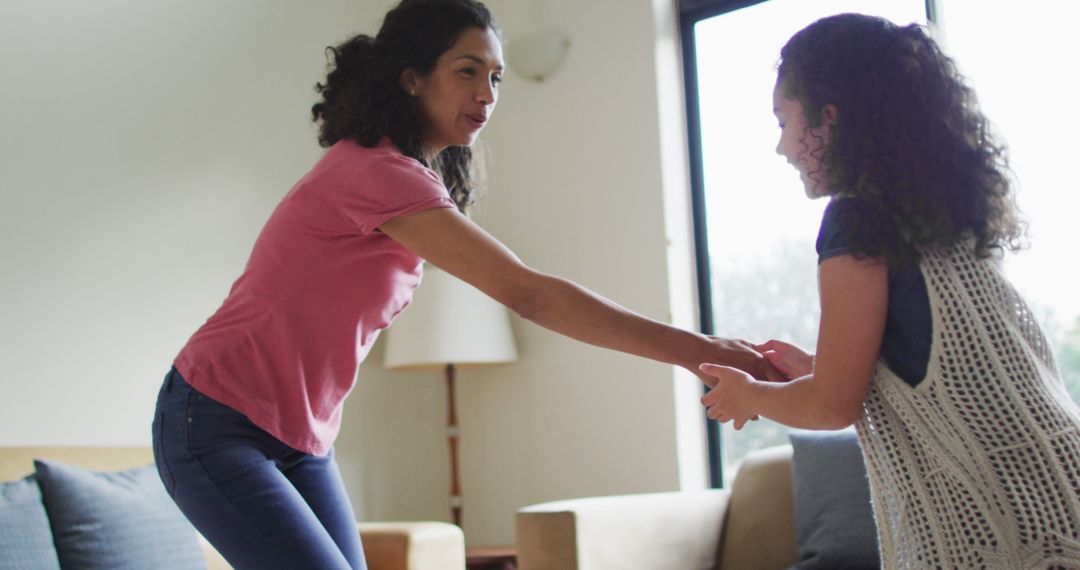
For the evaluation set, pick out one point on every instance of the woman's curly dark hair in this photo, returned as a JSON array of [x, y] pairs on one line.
[[362, 97], [909, 138]]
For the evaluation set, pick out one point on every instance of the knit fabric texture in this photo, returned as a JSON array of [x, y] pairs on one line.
[[979, 465]]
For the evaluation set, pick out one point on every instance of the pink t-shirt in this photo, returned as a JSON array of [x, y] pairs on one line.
[[321, 282]]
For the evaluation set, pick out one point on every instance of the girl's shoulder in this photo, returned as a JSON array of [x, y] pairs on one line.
[[843, 215], [862, 227], [846, 207]]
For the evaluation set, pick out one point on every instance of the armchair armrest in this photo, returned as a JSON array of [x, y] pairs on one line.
[[393, 546], [630, 532], [413, 545]]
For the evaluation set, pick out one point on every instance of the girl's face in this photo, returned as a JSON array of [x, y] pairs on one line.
[[800, 145], [459, 95]]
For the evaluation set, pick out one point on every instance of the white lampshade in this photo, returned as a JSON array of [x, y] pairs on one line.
[[537, 56], [449, 322]]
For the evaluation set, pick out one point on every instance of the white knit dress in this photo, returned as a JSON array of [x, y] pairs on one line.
[[979, 465]]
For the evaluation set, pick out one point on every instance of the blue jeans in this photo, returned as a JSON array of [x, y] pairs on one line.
[[261, 503]]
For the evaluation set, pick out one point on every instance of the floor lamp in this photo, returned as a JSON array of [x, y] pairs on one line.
[[449, 325]]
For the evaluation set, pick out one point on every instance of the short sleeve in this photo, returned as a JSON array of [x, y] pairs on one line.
[[392, 185], [834, 237], [401, 186]]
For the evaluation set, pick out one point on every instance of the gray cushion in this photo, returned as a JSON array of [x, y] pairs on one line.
[[115, 519], [25, 537], [834, 521]]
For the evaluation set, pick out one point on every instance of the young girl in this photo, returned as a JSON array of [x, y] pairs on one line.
[[246, 418], [970, 439]]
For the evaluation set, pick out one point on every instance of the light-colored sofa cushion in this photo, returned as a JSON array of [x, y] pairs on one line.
[[656, 531], [748, 527], [760, 527]]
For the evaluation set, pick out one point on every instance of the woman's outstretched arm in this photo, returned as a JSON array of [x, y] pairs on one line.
[[457, 245]]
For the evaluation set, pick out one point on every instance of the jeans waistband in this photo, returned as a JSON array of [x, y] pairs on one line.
[[174, 386]]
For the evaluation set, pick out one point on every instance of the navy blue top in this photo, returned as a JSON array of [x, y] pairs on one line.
[[908, 324]]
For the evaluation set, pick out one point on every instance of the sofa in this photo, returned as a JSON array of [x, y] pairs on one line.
[[387, 545], [804, 505]]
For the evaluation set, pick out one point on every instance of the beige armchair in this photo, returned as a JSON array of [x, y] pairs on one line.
[[751, 526], [387, 545]]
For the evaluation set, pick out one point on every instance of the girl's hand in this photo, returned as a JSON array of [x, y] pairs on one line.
[[728, 399], [790, 360]]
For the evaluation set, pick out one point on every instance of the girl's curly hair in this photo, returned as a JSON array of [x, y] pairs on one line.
[[909, 138], [362, 97]]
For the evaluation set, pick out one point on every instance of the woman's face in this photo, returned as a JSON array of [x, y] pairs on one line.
[[459, 95], [800, 145]]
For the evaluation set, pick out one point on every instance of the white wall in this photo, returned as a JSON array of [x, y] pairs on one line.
[[143, 146]]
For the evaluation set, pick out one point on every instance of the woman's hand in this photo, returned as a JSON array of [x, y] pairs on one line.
[[735, 353], [728, 400], [789, 360]]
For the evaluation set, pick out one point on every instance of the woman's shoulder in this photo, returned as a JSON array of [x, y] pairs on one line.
[[381, 160], [349, 149]]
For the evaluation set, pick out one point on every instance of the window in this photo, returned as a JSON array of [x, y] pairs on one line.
[[1026, 90], [755, 229]]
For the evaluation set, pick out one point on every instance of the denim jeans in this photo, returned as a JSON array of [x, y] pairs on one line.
[[261, 503]]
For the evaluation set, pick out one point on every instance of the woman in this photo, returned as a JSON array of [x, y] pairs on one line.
[[971, 442], [247, 417]]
